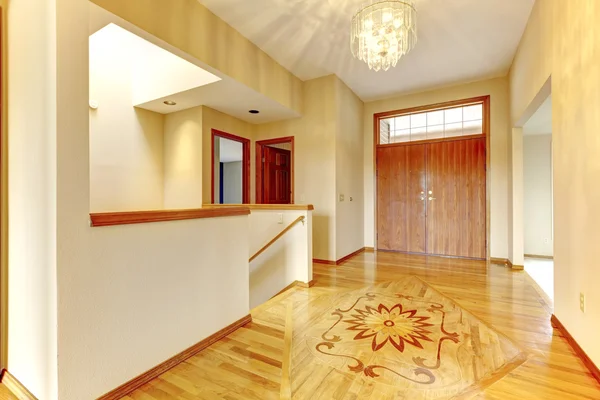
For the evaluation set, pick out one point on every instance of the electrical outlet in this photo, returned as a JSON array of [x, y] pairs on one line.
[[546, 240], [582, 302], [280, 218]]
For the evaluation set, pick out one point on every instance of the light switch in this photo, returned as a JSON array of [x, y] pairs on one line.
[[341, 197], [280, 218]]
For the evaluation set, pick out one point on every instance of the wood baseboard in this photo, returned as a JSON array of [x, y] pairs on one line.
[[345, 258], [306, 284], [319, 261], [369, 249], [538, 256], [499, 261], [576, 348], [16, 387], [147, 376], [507, 262]]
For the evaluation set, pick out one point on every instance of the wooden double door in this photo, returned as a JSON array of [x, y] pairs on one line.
[[431, 198]]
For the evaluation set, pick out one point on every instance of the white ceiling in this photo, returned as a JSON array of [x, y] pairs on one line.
[[227, 95], [458, 40], [540, 122], [229, 150]]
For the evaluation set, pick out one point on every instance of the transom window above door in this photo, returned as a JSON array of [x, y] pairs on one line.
[[450, 120]]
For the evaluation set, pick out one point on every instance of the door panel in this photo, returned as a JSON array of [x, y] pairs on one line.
[[400, 208], [277, 176], [456, 214]]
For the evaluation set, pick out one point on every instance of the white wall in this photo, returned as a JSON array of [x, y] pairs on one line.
[[147, 293], [348, 172], [562, 41], [232, 182], [129, 297], [32, 195], [537, 187], [499, 140], [183, 159], [287, 260], [126, 143]]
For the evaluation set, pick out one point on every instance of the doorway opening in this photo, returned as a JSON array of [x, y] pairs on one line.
[[538, 201], [230, 169], [275, 171]]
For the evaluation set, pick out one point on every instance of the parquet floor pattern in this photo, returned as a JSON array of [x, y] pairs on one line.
[[248, 363]]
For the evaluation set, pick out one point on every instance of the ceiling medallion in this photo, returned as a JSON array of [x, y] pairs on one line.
[[383, 32]]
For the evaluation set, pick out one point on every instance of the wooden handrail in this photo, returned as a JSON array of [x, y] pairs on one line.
[[280, 234]]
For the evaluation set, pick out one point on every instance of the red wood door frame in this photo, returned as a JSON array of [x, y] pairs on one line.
[[259, 166], [245, 163]]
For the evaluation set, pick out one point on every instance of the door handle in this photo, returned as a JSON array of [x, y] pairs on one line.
[[431, 198]]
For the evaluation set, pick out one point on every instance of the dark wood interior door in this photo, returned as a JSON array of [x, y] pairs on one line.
[[456, 198], [401, 198], [277, 176]]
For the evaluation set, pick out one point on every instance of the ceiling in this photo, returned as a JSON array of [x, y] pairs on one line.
[[540, 122], [225, 95], [229, 150], [458, 40]]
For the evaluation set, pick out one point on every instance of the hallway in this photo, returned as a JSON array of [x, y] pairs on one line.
[[532, 361]]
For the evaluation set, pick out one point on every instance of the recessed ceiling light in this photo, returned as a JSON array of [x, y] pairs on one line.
[[169, 103], [254, 111]]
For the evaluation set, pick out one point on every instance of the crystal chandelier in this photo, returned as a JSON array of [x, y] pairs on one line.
[[384, 31]]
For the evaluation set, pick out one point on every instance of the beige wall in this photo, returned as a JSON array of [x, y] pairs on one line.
[[287, 260], [212, 119], [314, 159], [191, 27], [562, 40], [537, 194], [498, 167], [183, 159], [32, 197], [126, 143], [349, 171]]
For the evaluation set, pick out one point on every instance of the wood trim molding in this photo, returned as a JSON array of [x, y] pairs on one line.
[[306, 285], [275, 207], [280, 234], [343, 259], [327, 262], [141, 217], [258, 154], [538, 256], [16, 387], [369, 249], [506, 262], [499, 261], [149, 375], [245, 163], [433, 107], [349, 256], [587, 361]]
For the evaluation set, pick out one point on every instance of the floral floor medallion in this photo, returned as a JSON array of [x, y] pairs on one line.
[[407, 335]]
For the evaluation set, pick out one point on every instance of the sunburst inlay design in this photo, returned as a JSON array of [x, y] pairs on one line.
[[390, 325], [407, 335]]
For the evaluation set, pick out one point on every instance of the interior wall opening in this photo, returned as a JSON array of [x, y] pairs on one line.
[[538, 202], [230, 169]]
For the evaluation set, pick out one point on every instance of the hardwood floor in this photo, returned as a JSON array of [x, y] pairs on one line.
[[6, 394], [504, 346]]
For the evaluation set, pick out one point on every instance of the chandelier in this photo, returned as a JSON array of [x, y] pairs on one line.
[[384, 31]]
